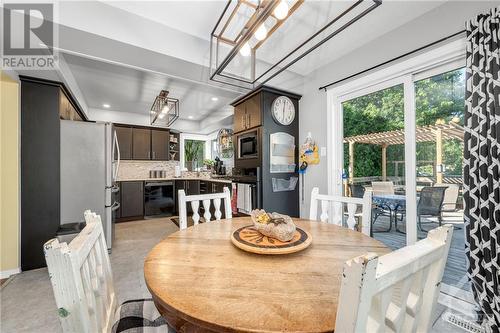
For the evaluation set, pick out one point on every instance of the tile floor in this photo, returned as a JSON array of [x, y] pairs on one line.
[[27, 303]]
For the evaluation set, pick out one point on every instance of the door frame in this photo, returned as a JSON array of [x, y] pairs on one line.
[[437, 60]]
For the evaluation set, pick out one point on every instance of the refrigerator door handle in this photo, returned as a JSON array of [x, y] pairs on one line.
[[115, 206], [116, 147]]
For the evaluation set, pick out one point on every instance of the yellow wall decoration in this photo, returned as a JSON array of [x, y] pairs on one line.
[[309, 151]]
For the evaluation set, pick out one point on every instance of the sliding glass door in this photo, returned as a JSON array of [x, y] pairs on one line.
[[402, 139], [374, 158]]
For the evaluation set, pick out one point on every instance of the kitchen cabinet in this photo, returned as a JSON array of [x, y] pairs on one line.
[[159, 144], [124, 136], [141, 143], [147, 143], [132, 199], [253, 112], [66, 109], [247, 114], [190, 187], [43, 104], [239, 118]]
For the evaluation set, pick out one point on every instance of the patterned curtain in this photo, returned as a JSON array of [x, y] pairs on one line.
[[482, 163]]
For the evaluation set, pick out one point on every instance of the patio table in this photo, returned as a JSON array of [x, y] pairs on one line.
[[393, 203]]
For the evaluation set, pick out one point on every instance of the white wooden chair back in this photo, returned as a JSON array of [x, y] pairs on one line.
[[81, 277], [396, 292], [206, 200], [381, 188], [450, 196], [334, 208]]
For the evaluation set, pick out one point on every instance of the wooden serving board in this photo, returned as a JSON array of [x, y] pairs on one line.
[[249, 239]]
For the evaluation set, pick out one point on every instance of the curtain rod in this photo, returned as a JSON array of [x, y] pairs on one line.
[[393, 59]]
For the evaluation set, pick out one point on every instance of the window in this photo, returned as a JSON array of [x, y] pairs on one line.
[[194, 153]]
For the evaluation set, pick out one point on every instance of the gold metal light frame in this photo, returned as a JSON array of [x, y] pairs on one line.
[[168, 117], [262, 10]]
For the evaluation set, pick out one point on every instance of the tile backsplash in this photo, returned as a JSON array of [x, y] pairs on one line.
[[139, 170], [131, 170]]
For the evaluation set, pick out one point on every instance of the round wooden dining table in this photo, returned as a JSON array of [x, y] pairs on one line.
[[201, 282]]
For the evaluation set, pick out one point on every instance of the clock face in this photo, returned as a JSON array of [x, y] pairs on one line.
[[283, 110]]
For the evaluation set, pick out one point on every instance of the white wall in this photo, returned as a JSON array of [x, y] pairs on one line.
[[432, 26]]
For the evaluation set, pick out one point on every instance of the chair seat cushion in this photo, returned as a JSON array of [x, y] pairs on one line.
[[140, 316]]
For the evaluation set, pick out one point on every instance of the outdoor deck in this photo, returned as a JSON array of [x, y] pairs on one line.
[[455, 270]]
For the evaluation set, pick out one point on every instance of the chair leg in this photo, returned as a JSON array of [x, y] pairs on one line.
[[419, 223]]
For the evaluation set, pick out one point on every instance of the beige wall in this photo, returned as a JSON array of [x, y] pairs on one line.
[[9, 171]]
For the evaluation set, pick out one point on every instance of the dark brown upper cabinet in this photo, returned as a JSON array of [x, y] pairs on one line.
[[248, 114], [124, 136], [159, 144], [141, 144], [147, 143]]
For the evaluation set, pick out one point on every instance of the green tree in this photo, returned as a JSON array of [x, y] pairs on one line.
[[440, 97]]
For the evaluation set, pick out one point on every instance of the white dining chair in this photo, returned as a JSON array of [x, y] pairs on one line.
[[335, 208], [382, 188], [396, 292], [82, 281], [206, 200]]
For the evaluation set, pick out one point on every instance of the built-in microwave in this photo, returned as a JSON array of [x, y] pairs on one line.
[[248, 144]]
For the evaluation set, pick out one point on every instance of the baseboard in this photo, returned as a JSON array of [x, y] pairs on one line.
[[8, 273]]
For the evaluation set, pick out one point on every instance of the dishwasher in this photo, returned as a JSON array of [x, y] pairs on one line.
[[159, 199]]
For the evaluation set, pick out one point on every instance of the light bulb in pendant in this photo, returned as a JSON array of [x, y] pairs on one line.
[[281, 10], [245, 50], [165, 109], [261, 32]]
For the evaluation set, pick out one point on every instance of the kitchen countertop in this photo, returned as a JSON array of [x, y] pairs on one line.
[[218, 180]]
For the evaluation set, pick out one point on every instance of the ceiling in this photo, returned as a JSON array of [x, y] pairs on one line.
[[131, 50], [133, 90], [198, 18]]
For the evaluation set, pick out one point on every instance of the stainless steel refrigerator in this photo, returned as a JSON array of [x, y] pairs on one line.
[[90, 160]]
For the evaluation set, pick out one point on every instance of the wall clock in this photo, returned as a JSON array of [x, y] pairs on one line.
[[283, 110]]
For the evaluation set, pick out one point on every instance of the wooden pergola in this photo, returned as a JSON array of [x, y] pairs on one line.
[[430, 133]]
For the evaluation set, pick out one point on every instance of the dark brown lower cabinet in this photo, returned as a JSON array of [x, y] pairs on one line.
[[132, 200]]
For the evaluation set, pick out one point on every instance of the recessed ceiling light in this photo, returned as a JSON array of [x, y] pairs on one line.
[[105, 105], [190, 117], [215, 99]]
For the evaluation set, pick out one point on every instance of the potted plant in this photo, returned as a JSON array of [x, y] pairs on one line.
[[208, 164], [191, 151]]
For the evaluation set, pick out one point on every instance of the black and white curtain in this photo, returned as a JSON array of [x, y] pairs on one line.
[[482, 163]]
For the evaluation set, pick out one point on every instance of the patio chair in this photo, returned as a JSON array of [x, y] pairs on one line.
[[396, 292], [381, 188], [357, 190], [430, 204], [340, 207], [450, 197], [82, 280], [206, 201]]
